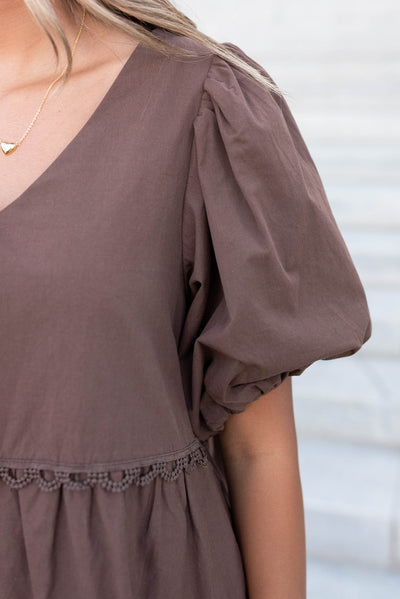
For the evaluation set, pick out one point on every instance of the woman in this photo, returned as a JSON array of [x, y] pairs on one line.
[[168, 261]]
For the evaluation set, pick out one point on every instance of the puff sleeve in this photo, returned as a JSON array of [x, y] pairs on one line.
[[270, 283]]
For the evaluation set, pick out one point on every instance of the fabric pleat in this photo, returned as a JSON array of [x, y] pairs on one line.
[[271, 284]]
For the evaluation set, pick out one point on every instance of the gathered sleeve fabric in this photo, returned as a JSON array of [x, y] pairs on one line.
[[271, 286]]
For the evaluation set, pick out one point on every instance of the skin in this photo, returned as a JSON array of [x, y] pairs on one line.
[[27, 67], [259, 448], [259, 445]]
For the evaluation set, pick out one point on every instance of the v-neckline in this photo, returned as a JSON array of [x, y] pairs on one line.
[[133, 57]]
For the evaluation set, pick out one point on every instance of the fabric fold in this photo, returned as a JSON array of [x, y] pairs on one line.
[[165, 539], [271, 285]]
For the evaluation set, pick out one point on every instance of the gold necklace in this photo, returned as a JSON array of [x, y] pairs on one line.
[[9, 147]]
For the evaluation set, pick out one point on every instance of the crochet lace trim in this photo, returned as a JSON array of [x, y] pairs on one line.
[[114, 481]]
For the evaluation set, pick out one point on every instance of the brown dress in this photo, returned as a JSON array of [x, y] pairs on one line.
[[178, 259]]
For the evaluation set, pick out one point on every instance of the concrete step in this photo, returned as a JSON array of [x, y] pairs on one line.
[[345, 127], [365, 207], [352, 502], [331, 580], [343, 123], [384, 305], [338, 84], [303, 31], [354, 399], [376, 255], [344, 158]]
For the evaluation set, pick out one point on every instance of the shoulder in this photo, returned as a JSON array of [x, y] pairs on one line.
[[188, 43], [181, 41], [220, 81]]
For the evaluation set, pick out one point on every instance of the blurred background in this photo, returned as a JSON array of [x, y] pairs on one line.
[[340, 64]]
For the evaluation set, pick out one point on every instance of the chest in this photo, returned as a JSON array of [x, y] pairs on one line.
[[49, 123], [102, 224], [61, 119], [92, 211], [28, 161], [99, 228]]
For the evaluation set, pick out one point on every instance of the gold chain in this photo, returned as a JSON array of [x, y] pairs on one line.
[[9, 147]]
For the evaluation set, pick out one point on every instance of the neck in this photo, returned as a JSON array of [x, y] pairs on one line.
[[25, 49]]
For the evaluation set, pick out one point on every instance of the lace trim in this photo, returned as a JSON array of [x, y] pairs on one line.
[[141, 475]]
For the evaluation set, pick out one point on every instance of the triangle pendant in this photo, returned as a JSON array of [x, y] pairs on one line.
[[8, 147]]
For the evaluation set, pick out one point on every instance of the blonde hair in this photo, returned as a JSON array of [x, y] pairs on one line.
[[138, 18]]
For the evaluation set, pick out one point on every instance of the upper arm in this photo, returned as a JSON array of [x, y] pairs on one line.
[[266, 426]]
